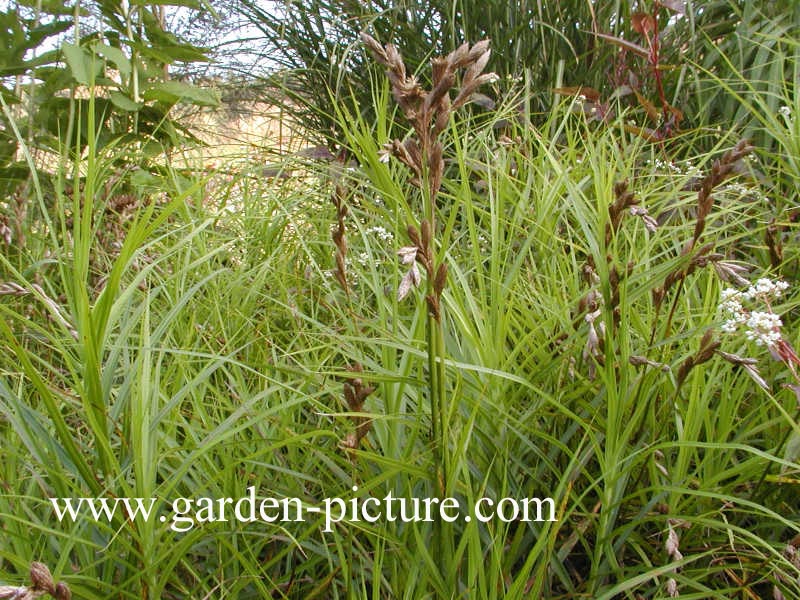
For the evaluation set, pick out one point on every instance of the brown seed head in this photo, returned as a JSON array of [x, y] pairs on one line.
[[441, 279], [62, 592], [41, 578], [425, 228], [376, 49]]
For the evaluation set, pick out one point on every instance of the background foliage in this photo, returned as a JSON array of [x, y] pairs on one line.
[[541, 45]]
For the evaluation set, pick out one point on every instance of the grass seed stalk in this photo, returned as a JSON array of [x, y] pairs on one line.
[[428, 111]]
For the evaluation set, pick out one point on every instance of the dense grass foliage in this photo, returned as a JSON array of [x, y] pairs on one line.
[[183, 334]]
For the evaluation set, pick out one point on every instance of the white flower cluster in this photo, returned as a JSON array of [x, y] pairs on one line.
[[363, 258], [686, 167], [786, 111], [766, 289], [744, 192], [762, 327], [381, 233]]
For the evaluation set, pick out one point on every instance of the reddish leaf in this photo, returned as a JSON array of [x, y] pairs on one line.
[[643, 23], [651, 135], [677, 113], [589, 93], [630, 46]]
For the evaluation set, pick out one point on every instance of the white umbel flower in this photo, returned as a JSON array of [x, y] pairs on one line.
[[761, 327]]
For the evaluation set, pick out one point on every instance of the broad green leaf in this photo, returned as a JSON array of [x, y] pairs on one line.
[[80, 63], [171, 92], [46, 58], [122, 102], [142, 178], [37, 35], [168, 53], [116, 56]]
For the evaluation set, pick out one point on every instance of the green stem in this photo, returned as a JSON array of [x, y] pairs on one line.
[[432, 390], [439, 381]]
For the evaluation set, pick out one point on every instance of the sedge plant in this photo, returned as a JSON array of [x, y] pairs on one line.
[[579, 327]]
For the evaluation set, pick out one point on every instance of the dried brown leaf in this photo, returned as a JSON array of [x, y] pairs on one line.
[[643, 23], [625, 44], [589, 93]]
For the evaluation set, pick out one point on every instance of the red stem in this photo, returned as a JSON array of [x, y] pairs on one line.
[[654, 61]]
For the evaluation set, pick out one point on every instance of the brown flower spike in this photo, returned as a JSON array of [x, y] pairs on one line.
[[428, 111]]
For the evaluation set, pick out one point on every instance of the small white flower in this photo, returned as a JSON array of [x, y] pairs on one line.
[[691, 169], [730, 303], [729, 326], [765, 288], [785, 111], [728, 293], [731, 306], [761, 327]]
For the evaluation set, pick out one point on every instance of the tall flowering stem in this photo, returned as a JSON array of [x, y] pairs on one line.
[[355, 390], [428, 112], [720, 171]]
